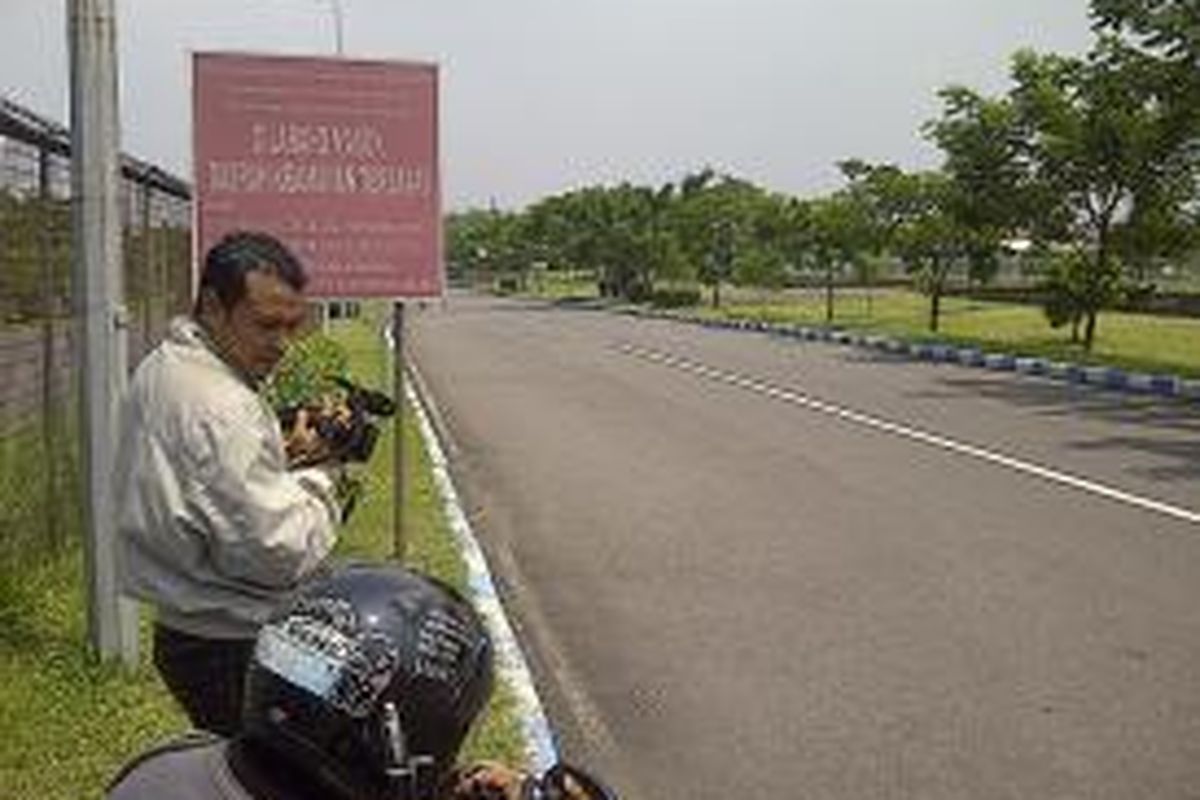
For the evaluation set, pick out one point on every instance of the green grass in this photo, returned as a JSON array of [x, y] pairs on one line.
[[555, 285], [67, 723], [429, 546], [1139, 342], [36, 472]]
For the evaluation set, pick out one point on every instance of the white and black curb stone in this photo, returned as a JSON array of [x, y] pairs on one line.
[[1105, 377], [511, 665]]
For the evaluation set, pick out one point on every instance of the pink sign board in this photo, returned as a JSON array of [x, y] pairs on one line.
[[338, 158]]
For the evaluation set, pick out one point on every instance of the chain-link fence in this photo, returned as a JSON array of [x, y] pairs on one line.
[[39, 321]]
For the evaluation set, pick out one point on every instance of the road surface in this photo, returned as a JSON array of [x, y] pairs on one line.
[[752, 567]]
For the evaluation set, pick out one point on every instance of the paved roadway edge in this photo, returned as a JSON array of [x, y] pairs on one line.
[[511, 665]]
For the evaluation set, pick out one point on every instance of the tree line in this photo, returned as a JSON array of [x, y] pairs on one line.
[[1091, 162]]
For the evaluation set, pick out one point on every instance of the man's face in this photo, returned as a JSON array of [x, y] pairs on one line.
[[253, 334]]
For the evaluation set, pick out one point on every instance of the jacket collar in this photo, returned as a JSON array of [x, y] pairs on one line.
[[187, 332]]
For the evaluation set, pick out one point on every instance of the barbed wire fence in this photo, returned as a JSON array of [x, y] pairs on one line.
[[40, 319]]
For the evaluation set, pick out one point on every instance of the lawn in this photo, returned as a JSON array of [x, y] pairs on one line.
[[67, 723], [1139, 342]]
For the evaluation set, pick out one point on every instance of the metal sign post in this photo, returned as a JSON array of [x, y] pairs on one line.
[[399, 493], [95, 176]]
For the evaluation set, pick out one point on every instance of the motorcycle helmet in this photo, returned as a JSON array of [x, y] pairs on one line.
[[368, 679]]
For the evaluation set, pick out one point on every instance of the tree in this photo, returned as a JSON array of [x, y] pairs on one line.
[[886, 197], [1170, 27], [714, 220], [1156, 231], [1166, 34], [931, 239], [987, 168], [605, 230], [837, 236], [668, 261], [1099, 140], [1066, 285], [762, 260]]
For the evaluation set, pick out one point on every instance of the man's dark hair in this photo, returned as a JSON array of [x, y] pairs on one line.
[[228, 261]]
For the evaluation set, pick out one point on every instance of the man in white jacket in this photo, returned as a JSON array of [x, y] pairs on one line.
[[214, 527]]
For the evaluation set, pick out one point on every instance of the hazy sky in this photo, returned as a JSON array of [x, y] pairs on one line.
[[539, 96]]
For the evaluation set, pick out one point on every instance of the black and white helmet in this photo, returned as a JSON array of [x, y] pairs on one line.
[[369, 679]]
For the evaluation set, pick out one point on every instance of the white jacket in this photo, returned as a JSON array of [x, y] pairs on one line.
[[212, 527]]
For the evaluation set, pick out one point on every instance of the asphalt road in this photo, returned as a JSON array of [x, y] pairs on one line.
[[749, 567]]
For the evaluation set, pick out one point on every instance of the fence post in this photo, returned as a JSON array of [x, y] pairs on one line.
[[147, 321], [48, 332]]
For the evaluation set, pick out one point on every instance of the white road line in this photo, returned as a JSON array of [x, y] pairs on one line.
[[915, 434]]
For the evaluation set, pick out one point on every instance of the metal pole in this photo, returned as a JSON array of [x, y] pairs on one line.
[[336, 5], [45, 254], [399, 540], [146, 323], [95, 176]]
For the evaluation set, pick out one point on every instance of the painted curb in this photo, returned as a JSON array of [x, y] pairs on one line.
[[511, 665], [1112, 378]]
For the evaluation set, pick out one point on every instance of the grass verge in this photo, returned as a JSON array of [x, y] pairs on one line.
[[429, 543], [67, 723], [1137, 342]]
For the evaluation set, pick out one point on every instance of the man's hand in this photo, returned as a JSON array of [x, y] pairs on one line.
[[489, 780], [303, 444]]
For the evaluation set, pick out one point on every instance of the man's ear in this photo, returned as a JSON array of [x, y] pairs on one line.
[[208, 304]]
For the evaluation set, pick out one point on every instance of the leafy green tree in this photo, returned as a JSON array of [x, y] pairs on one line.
[[838, 236], [1166, 35], [931, 239], [1098, 140], [1170, 27], [1066, 284], [713, 221], [885, 193], [886, 197], [985, 148], [762, 260], [624, 240], [794, 240], [470, 242], [1156, 232]]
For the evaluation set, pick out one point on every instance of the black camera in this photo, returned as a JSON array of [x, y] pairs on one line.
[[346, 424]]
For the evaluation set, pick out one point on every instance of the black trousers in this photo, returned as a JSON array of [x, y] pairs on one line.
[[205, 676]]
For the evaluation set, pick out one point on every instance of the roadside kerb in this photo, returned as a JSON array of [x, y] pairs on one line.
[[511, 665], [970, 357], [1112, 378], [1031, 366]]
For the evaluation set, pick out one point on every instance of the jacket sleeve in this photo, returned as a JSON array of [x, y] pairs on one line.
[[267, 525]]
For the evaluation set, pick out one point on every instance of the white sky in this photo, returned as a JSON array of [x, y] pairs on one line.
[[539, 96]]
